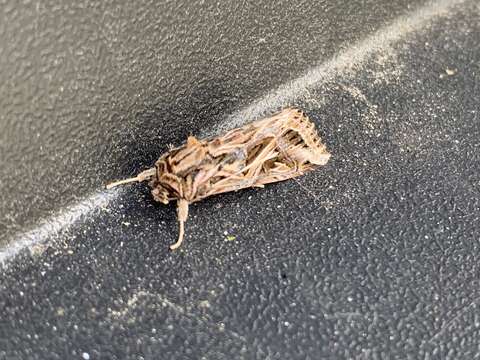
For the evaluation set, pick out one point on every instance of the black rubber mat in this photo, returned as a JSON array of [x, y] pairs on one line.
[[374, 256]]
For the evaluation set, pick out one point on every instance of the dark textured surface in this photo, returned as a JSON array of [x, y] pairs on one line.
[[376, 255], [94, 90]]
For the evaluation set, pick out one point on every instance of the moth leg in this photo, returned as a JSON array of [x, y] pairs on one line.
[[143, 176], [182, 214]]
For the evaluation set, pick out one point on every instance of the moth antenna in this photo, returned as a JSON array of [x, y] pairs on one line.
[[143, 176], [182, 214]]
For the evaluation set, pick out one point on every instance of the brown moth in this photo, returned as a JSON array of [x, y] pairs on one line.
[[277, 148]]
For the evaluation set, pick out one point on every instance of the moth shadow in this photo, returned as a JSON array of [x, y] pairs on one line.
[[171, 120]]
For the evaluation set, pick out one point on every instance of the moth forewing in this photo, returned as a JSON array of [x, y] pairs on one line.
[[281, 147]]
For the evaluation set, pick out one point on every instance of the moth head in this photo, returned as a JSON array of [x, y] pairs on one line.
[[160, 193]]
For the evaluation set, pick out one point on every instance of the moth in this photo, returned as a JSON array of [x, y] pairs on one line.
[[277, 148]]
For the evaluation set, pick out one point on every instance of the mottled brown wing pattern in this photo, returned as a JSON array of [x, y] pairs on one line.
[[277, 148]]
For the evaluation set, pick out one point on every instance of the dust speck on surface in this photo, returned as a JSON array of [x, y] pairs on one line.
[[38, 249], [451, 72], [204, 304]]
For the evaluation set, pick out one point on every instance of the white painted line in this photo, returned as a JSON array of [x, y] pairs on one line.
[[58, 222], [382, 40]]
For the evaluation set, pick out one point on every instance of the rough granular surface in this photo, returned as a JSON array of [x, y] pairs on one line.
[[375, 255]]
